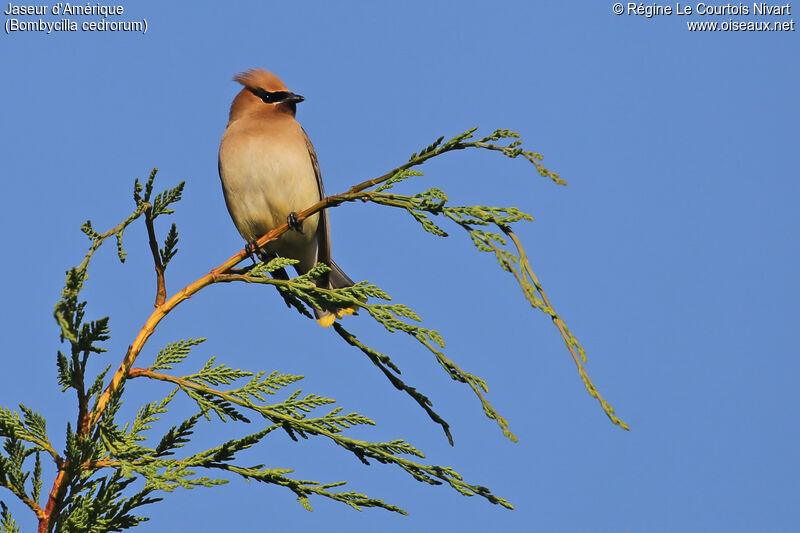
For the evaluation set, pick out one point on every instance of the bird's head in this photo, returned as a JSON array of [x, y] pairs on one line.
[[263, 92]]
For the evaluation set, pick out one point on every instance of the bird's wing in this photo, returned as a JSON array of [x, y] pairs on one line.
[[323, 227]]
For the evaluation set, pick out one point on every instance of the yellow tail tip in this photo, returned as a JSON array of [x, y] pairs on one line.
[[344, 312], [327, 320]]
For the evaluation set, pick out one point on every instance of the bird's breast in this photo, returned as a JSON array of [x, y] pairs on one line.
[[267, 175]]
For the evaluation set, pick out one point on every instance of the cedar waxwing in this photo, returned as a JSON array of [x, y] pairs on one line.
[[269, 172]]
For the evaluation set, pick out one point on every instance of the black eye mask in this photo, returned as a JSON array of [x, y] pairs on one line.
[[277, 97]]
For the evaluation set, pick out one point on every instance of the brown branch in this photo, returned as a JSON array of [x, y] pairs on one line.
[[161, 288], [47, 521], [83, 401]]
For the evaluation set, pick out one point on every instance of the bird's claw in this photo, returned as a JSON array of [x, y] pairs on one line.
[[293, 223], [251, 248]]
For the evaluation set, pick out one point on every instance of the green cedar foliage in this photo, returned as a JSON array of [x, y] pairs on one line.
[[95, 489]]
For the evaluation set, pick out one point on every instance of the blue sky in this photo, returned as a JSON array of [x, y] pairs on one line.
[[672, 253]]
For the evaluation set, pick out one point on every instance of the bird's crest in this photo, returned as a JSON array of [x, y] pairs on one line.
[[258, 78]]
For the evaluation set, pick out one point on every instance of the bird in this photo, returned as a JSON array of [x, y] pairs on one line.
[[269, 171]]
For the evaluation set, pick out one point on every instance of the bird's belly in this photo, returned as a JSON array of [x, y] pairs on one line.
[[262, 186]]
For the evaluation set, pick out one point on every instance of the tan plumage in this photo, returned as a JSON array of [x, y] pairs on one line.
[[269, 170]]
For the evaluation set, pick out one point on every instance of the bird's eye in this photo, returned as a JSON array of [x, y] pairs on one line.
[[266, 96]]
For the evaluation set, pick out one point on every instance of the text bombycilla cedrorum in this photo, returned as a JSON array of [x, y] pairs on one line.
[[269, 172]]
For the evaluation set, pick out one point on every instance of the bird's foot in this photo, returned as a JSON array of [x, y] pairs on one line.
[[251, 248], [293, 223]]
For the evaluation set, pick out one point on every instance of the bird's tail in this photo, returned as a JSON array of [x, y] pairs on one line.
[[337, 279]]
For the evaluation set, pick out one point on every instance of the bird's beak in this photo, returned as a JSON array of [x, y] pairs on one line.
[[292, 98]]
